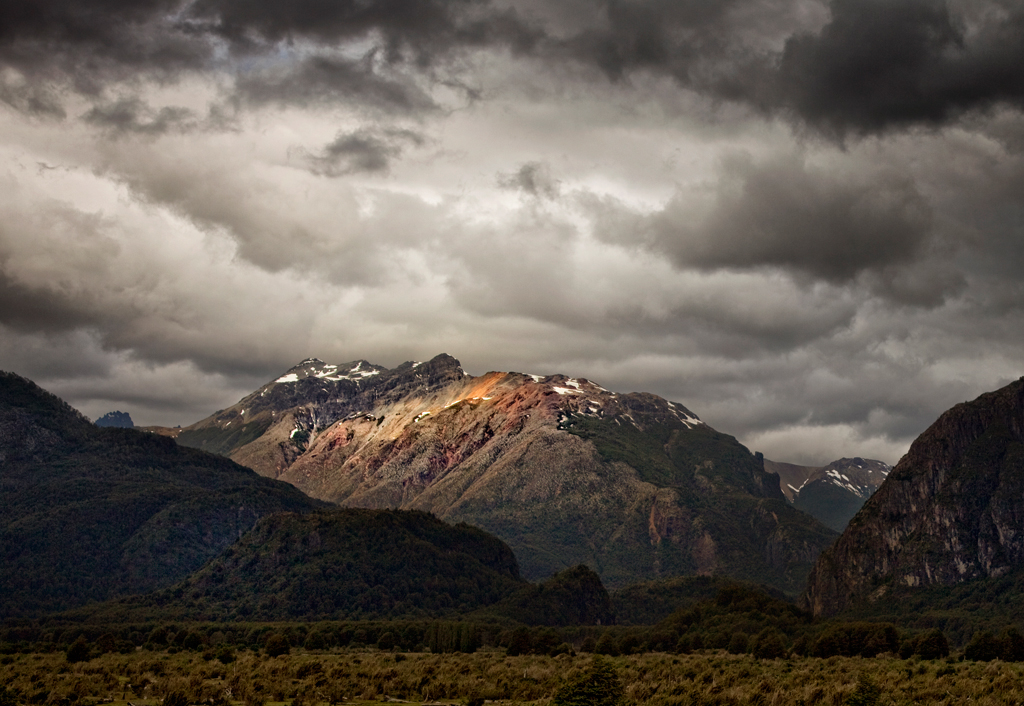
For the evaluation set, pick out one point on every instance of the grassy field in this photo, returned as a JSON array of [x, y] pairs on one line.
[[309, 679]]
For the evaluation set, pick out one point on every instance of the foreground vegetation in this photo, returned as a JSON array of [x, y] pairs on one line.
[[308, 678]]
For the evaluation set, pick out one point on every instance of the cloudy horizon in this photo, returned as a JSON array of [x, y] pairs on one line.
[[801, 219]]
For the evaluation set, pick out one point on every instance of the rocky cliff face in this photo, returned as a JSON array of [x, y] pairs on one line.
[[951, 510], [561, 469]]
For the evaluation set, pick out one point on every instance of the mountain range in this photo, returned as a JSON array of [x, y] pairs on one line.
[[832, 493], [566, 472]]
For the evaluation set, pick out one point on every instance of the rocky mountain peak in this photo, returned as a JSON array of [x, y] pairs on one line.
[[950, 511]]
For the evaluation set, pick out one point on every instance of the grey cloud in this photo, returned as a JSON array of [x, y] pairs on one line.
[[880, 64], [533, 178], [851, 67], [133, 115], [787, 214], [323, 80], [363, 150]]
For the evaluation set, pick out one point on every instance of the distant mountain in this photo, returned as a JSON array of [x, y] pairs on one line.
[[339, 564], [116, 419], [832, 493], [561, 469], [92, 513], [952, 510]]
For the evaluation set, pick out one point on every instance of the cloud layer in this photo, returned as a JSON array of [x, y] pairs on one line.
[[801, 219]]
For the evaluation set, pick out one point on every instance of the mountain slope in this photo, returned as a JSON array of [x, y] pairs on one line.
[[339, 564], [90, 513], [561, 469], [952, 510]]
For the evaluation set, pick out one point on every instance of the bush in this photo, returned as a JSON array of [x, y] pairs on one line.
[[1013, 645], [78, 651], [738, 643], [315, 641], [277, 645], [598, 685], [768, 645], [983, 647], [520, 643], [606, 646], [867, 692], [932, 645], [175, 698]]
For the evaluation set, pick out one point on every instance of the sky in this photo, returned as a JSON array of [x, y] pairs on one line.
[[803, 220]]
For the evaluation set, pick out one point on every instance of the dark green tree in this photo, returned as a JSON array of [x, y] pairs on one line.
[[738, 643], [983, 647], [78, 651], [277, 645], [315, 641], [932, 645], [598, 685], [606, 645], [768, 645], [520, 643], [1013, 645], [866, 693]]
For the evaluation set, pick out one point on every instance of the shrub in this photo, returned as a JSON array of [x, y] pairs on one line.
[[175, 698], [315, 641], [277, 645], [78, 651], [738, 643], [1013, 645], [598, 685], [867, 692], [606, 646], [630, 645], [768, 645], [932, 645], [520, 642], [983, 647]]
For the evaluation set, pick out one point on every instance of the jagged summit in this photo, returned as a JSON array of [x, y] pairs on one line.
[[316, 368], [950, 511]]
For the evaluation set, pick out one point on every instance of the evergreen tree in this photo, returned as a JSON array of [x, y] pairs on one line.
[[598, 685], [78, 651]]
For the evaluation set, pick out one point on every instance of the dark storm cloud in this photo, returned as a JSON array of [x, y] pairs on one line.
[[31, 309], [786, 214], [364, 150], [884, 63], [414, 29], [86, 44], [864, 67]]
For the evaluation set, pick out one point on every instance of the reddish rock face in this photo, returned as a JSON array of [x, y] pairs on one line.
[[950, 511], [561, 469]]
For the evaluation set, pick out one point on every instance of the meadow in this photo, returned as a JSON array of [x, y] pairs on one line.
[[362, 676]]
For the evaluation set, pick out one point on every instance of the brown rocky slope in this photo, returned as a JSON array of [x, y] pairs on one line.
[[952, 510], [561, 469]]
